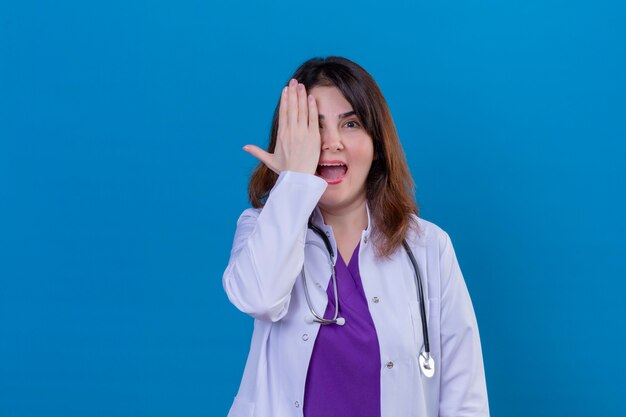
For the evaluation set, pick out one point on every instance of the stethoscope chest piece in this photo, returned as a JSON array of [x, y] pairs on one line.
[[427, 365]]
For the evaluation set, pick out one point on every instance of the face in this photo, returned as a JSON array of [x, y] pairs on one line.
[[347, 151]]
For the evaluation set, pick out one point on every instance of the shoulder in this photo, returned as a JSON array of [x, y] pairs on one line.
[[249, 214], [427, 234]]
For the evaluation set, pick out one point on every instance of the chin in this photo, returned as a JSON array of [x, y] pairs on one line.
[[334, 200], [328, 201]]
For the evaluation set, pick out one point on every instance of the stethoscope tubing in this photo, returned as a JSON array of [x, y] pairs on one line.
[[338, 320], [420, 296]]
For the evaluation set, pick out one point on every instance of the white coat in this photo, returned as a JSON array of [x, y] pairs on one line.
[[264, 279]]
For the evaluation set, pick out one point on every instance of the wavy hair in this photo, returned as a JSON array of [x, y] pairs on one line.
[[389, 185]]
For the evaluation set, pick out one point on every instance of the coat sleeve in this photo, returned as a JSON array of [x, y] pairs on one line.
[[268, 248], [463, 385]]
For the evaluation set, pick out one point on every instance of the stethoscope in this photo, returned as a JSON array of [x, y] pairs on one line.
[[426, 362]]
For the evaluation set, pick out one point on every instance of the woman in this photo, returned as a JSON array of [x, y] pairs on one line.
[[333, 203]]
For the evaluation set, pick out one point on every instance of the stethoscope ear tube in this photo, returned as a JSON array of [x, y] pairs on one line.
[[340, 321]]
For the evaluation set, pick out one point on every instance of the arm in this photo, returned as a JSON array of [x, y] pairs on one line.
[[268, 249], [463, 385]]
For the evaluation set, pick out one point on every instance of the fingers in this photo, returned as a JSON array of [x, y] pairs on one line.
[[282, 113], [292, 111], [298, 107], [261, 155], [298, 133], [313, 116], [302, 107]]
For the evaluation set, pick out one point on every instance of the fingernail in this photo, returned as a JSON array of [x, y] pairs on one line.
[[292, 82]]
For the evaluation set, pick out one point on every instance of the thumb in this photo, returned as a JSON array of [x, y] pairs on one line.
[[261, 155]]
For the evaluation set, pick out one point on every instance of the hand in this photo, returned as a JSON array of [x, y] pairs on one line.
[[298, 140]]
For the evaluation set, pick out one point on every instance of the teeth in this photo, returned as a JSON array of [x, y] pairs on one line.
[[332, 165]]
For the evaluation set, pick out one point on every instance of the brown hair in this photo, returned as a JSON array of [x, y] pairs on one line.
[[389, 185]]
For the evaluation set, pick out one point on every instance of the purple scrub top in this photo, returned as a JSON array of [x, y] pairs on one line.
[[344, 372]]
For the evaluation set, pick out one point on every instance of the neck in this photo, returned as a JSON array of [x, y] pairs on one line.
[[347, 219]]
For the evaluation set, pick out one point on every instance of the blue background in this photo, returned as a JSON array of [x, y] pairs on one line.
[[122, 176]]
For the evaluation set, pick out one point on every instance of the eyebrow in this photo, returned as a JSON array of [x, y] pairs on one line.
[[342, 115]]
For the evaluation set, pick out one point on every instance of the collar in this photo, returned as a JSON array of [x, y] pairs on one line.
[[318, 220], [368, 230]]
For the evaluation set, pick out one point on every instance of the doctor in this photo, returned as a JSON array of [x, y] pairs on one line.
[[342, 325]]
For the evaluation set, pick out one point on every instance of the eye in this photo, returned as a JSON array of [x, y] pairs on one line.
[[352, 124]]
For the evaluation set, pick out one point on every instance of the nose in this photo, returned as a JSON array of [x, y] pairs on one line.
[[331, 140]]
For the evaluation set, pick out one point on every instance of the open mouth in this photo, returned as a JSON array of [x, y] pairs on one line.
[[332, 171]]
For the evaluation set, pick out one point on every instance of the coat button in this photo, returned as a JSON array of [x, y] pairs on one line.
[[297, 404], [389, 365], [375, 299], [305, 337], [365, 240]]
